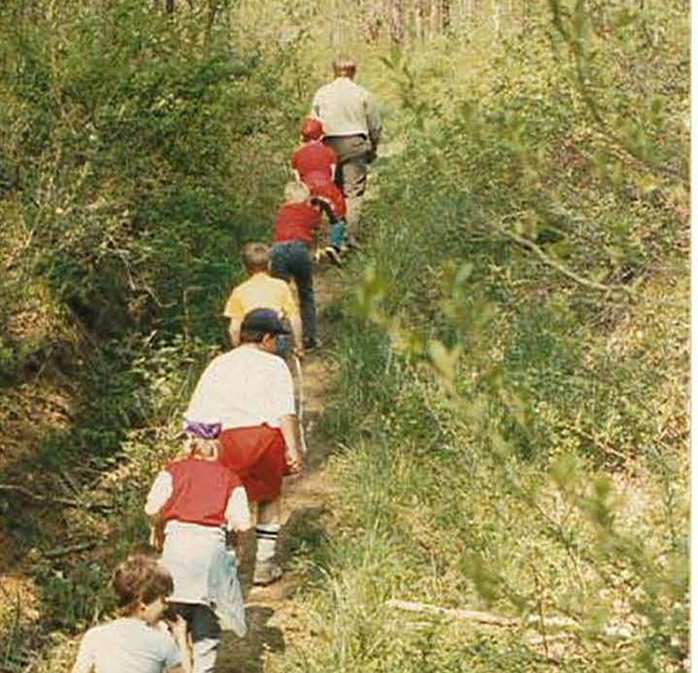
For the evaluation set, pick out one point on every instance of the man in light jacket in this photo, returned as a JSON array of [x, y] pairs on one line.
[[352, 125]]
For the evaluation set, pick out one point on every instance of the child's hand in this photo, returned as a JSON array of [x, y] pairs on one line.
[[157, 537], [294, 461], [178, 628]]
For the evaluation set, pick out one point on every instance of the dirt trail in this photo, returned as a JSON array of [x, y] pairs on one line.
[[271, 620]]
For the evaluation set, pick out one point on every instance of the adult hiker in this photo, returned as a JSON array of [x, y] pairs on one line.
[[352, 128], [249, 391]]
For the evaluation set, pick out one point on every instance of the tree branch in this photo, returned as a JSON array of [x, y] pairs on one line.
[[530, 245], [56, 500]]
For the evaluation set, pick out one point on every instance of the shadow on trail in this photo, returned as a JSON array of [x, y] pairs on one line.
[[246, 655]]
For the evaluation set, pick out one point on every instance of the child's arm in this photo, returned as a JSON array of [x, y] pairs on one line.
[[237, 511], [180, 635], [234, 310], [157, 533], [234, 331], [289, 429], [85, 661], [158, 495], [324, 205]]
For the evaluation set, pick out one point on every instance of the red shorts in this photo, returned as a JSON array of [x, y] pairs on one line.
[[258, 456]]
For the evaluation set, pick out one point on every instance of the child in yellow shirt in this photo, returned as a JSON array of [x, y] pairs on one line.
[[261, 290]]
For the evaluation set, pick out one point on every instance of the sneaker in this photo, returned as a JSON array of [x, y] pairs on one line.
[[333, 255], [311, 344], [350, 243], [266, 574]]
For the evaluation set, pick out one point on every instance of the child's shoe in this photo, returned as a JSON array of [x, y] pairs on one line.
[[311, 344], [333, 255], [350, 243], [266, 574]]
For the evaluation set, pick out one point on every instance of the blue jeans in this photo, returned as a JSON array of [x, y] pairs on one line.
[[337, 233], [291, 259]]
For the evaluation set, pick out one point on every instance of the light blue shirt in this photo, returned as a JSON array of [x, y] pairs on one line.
[[127, 645]]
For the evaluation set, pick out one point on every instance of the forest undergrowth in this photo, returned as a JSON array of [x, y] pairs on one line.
[[507, 424]]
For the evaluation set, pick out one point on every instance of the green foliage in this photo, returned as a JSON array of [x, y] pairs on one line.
[[512, 375], [517, 442], [74, 597]]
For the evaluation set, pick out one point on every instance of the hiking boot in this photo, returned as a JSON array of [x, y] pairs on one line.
[[266, 574], [333, 255]]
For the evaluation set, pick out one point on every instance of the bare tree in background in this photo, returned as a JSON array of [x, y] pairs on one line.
[[397, 22]]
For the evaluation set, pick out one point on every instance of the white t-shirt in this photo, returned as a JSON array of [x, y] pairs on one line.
[[127, 645], [243, 388]]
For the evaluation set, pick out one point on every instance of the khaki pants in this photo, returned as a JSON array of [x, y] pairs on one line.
[[353, 154]]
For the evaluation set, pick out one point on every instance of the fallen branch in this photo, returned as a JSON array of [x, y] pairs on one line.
[[68, 549], [52, 499], [483, 617], [468, 615], [532, 621]]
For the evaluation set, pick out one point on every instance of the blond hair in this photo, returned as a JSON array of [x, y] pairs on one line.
[[201, 446], [296, 192], [255, 257]]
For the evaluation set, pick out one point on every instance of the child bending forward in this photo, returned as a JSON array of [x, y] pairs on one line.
[[137, 642], [192, 502]]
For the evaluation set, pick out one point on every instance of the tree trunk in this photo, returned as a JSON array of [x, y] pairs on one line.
[[397, 22]]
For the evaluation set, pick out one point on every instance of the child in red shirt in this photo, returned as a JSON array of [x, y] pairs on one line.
[[192, 502], [294, 227], [315, 164]]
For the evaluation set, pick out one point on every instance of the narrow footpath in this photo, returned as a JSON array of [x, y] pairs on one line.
[[273, 626]]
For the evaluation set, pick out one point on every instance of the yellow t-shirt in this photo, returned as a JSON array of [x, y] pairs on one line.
[[261, 291]]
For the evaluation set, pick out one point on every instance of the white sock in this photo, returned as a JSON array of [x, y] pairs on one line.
[[267, 536]]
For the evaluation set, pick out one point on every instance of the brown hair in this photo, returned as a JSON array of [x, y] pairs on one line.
[[344, 66], [140, 579], [255, 257]]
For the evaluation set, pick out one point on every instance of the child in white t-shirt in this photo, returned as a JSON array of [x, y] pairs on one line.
[[138, 641]]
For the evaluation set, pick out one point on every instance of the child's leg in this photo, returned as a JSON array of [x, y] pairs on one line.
[[337, 229], [267, 533], [206, 638]]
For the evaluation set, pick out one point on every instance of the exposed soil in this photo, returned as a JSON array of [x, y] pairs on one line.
[[273, 625], [39, 407]]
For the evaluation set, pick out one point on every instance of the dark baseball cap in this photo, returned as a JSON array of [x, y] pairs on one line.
[[264, 321]]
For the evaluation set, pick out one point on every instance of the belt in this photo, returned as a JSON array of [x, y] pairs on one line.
[[348, 135]]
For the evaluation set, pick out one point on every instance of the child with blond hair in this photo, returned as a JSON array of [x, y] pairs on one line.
[[192, 503], [296, 223]]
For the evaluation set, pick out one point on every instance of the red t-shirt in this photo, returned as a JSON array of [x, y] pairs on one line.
[[200, 491], [314, 162], [296, 222]]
